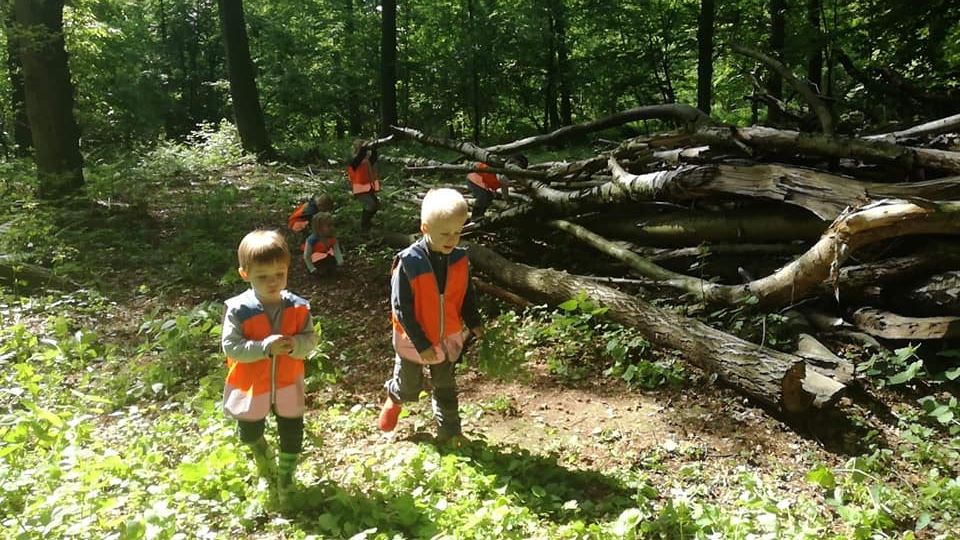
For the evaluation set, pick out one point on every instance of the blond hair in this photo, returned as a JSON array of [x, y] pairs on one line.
[[263, 247], [442, 203]]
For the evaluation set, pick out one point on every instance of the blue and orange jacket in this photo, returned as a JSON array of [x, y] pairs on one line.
[[425, 316], [255, 380], [488, 181], [299, 220], [317, 249]]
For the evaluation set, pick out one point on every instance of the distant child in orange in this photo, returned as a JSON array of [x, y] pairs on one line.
[[321, 252], [267, 332], [485, 185], [434, 308], [364, 181], [299, 220]]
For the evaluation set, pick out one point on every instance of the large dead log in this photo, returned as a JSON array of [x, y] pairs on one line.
[[784, 142], [690, 117], [773, 378], [688, 228], [934, 127], [889, 325], [852, 230], [939, 294]]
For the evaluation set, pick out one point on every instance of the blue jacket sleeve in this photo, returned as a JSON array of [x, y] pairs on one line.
[[308, 253], [401, 301]]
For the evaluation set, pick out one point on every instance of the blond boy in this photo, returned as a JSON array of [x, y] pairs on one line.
[[433, 307]]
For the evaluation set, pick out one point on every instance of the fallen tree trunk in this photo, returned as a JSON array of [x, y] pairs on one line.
[[889, 325], [793, 142], [872, 223], [773, 378], [935, 127], [687, 228], [938, 294], [689, 116]]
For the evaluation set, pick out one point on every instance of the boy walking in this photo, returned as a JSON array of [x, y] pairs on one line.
[[267, 332], [433, 308]]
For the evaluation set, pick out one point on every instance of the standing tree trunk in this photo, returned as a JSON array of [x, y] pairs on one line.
[[551, 115], [49, 96], [475, 109], [705, 56], [778, 30], [354, 121], [388, 67], [243, 84], [563, 62], [22, 138], [815, 60]]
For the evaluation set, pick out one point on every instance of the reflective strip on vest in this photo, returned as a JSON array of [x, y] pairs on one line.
[[322, 250], [364, 178]]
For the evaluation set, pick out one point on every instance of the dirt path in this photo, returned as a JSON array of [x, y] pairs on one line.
[[599, 424]]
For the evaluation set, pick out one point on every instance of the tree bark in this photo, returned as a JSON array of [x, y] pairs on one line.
[[887, 325], [938, 294], [705, 55], [852, 230], [243, 83], [934, 127], [778, 25], [773, 378], [795, 143], [388, 66], [815, 56], [22, 137], [49, 97]]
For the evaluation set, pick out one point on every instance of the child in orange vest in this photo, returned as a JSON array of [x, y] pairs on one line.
[[321, 252], [299, 220], [364, 181], [485, 185], [267, 332], [434, 309]]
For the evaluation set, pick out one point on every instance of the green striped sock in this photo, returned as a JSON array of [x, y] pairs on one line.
[[286, 467]]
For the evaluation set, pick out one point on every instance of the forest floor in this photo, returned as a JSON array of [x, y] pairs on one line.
[[581, 454]]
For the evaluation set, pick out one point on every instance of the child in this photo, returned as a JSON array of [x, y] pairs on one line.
[[321, 252], [364, 181], [484, 185], [430, 292], [267, 332], [299, 220]]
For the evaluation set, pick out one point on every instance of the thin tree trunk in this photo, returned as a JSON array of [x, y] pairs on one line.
[[815, 59], [354, 120], [22, 137], [388, 66], [774, 378], [243, 83], [705, 56], [475, 114], [778, 25], [49, 96], [564, 72]]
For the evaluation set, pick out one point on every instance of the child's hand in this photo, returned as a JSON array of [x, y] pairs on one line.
[[429, 356], [283, 345]]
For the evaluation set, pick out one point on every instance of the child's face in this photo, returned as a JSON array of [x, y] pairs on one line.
[[267, 279], [444, 234]]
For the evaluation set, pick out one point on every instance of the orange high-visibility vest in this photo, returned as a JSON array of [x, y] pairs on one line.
[[322, 248], [441, 321], [364, 178], [252, 387], [488, 181]]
